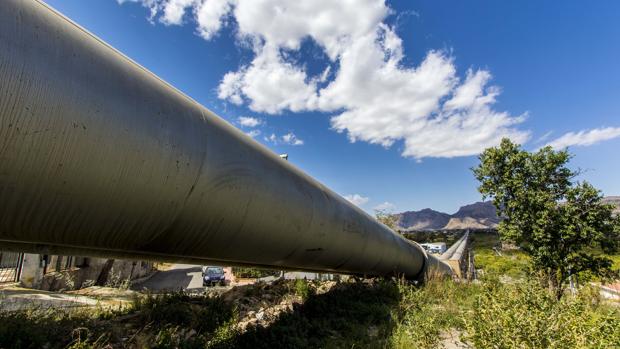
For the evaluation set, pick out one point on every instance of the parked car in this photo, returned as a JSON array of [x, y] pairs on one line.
[[212, 276]]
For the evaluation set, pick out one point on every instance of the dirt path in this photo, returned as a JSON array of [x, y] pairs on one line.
[[15, 297]]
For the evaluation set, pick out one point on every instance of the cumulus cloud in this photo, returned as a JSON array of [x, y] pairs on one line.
[[248, 121], [372, 94], [269, 84], [289, 138], [357, 199], [386, 206], [170, 12], [174, 11], [253, 133], [210, 14], [585, 137]]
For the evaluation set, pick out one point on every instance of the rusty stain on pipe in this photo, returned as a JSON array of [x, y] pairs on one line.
[[100, 156]]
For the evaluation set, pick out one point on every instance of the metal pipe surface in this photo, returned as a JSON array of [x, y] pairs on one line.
[[100, 156]]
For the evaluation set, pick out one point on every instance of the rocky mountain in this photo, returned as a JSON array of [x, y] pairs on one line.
[[479, 215], [424, 219]]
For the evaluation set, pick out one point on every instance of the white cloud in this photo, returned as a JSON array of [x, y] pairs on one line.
[[270, 85], [174, 11], [170, 12], [376, 98], [253, 133], [210, 14], [248, 121], [357, 199], [585, 137], [289, 138], [386, 206]]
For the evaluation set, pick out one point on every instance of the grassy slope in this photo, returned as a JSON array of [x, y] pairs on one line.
[[512, 263], [370, 314]]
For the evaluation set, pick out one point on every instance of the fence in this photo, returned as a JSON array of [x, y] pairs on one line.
[[10, 266]]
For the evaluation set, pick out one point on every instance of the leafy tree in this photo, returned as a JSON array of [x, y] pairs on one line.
[[557, 221], [387, 218]]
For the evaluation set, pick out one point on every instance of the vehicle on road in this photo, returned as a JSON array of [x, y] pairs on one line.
[[212, 276]]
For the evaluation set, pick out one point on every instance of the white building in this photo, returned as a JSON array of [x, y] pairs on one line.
[[434, 247]]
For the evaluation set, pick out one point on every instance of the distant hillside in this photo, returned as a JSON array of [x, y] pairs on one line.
[[480, 215], [613, 200], [424, 219]]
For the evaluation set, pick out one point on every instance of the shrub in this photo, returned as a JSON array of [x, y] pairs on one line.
[[524, 315], [202, 313], [52, 328], [253, 273]]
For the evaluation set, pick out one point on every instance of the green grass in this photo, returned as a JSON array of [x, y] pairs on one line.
[[524, 315], [514, 263], [351, 315], [487, 250], [357, 314], [616, 261]]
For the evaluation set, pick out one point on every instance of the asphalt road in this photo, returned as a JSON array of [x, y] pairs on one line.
[[189, 278], [180, 277]]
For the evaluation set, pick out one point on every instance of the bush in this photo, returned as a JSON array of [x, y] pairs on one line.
[[302, 289], [512, 263], [201, 313], [425, 313], [524, 315], [496, 315], [53, 328], [253, 273], [367, 314]]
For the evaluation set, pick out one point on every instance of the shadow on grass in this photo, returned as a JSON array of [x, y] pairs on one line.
[[350, 315], [357, 314], [169, 320]]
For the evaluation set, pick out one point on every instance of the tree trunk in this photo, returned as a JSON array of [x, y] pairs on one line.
[[559, 291], [556, 283], [105, 272]]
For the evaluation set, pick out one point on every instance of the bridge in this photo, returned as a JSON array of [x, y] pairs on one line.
[[100, 157]]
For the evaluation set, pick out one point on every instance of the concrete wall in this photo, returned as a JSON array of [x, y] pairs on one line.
[[32, 270], [76, 277]]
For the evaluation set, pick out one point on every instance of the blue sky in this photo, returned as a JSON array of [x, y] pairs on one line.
[[419, 86]]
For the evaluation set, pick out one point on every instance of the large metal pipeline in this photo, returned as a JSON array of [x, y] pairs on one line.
[[99, 156]]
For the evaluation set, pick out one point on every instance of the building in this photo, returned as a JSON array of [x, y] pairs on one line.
[[434, 247]]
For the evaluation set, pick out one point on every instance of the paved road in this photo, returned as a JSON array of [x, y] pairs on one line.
[[180, 277], [189, 278]]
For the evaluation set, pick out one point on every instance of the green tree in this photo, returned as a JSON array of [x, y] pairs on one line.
[[557, 221], [387, 218]]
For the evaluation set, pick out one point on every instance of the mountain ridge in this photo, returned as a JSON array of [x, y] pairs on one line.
[[479, 215]]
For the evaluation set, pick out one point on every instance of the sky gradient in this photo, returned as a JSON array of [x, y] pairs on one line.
[[388, 103]]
